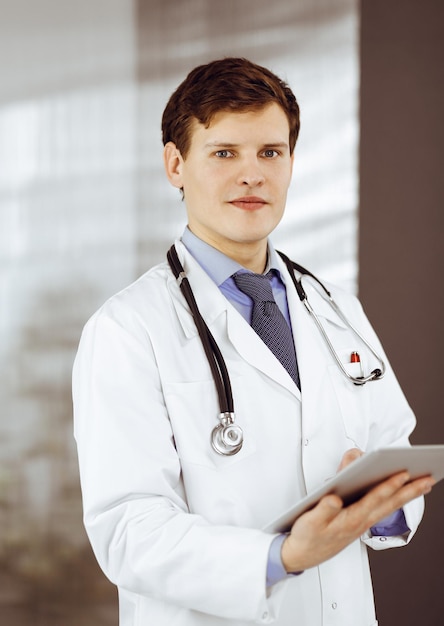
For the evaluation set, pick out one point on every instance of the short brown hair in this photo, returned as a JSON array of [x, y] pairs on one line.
[[230, 84]]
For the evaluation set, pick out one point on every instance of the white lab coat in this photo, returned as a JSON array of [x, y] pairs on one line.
[[174, 525]]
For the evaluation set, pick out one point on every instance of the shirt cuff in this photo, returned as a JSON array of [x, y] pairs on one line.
[[275, 569], [391, 526]]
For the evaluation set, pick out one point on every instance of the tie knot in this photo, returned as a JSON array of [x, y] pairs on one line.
[[257, 286]]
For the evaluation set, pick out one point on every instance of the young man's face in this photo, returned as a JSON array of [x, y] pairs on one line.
[[235, 178]]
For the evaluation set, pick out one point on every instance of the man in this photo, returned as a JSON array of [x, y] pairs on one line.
[[175, 525]]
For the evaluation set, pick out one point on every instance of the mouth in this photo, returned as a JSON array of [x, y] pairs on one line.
[[249, 203]]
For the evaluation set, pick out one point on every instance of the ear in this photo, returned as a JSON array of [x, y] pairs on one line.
[[173, 162]]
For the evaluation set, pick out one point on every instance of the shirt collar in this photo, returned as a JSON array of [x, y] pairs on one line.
[[217, 265]]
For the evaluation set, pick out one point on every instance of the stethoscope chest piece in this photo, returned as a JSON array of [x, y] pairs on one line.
[[227, 437]]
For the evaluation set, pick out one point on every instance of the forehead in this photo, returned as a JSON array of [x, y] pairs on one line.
[[267, 122]]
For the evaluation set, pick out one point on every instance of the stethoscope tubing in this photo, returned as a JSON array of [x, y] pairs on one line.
[[377, 373], [227, 437], [212, 351]]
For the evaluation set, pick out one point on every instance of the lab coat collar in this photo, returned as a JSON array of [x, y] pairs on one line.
[[211, 302]]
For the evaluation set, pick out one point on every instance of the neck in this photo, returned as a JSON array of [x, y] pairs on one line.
[[255, 263], [251, 255]]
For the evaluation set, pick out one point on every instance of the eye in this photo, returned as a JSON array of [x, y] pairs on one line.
[[270, 153], [224, 154]]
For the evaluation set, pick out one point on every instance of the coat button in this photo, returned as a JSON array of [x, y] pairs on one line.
[[382, 538], [334, 605], [305, 442]]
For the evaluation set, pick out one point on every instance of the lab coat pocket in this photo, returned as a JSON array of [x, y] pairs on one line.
[[354, 404], [193, 410]]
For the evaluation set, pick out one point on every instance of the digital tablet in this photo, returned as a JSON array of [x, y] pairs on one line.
[[361, 475]]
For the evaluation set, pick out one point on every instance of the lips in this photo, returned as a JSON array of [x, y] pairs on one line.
[[249, 203]]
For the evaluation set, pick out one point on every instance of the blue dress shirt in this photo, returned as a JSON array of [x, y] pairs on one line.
[[221, 268]]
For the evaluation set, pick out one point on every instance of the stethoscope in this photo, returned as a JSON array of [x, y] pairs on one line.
[[227, 437]]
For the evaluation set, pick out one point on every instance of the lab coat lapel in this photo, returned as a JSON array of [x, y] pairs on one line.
[[210, 300], [212, 303], [312, 353], [251, 347], [309, 345]]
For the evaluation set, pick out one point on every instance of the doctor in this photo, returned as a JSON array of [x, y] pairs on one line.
[[175, 525]]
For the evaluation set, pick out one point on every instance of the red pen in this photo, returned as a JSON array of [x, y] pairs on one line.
[[355, 358]]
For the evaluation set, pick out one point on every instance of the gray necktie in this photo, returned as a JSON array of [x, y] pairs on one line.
[[267, 319]]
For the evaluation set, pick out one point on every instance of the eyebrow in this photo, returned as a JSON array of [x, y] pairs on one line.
[[227, 144]]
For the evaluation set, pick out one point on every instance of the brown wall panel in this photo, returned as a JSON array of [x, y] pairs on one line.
[[401, 258]]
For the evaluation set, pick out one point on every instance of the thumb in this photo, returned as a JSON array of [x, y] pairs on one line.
[[351, 455]]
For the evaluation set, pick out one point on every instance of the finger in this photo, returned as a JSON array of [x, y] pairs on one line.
[[391, 495], [350, 456], [328, 508], [391, 485], [415, 488], [378, 502], [400, 499], [400, 486], [384, 494]]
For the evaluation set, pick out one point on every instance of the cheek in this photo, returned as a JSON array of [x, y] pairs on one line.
[[208, 180], [195, 185], [284, 188], [285, 178]]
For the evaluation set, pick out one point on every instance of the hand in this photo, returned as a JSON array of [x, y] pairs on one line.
[[328, 528]]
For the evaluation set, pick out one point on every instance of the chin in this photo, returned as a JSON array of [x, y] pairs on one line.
[[253, 235]]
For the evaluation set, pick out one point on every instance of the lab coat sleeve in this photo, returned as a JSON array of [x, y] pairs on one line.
[[135, 511]]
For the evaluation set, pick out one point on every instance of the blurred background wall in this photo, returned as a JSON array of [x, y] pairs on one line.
[[68, 106], [85, 208], [401, 258]]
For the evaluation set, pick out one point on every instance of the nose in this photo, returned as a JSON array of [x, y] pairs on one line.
[[251, 174]]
